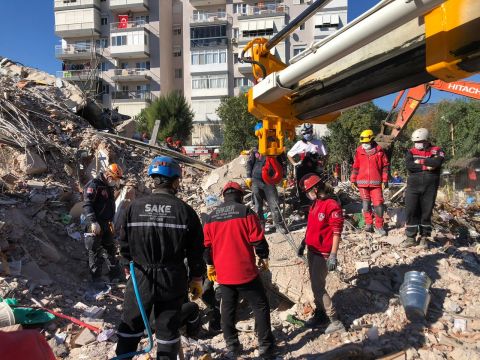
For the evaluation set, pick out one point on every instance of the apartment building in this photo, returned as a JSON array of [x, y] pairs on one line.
[[126, 52]]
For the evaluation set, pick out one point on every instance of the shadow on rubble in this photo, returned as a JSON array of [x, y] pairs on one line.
[[373, 293]]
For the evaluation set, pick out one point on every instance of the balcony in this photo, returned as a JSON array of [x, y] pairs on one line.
[[77, 23], [130, 42], [129, 5], [209, 42], [209, 68], [245, 68], [127, 25], [133, 96], [75, 52], [210, 18], [196, 3], [127, 75], [75, 4], [78, 75], [266, 10]]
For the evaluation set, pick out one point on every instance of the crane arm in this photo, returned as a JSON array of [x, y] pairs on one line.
[[465, 88]]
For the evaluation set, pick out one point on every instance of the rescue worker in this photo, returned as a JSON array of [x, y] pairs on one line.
[[232, 231], [160, 231], [169, 143], [423, 162], [396, 179], [310, 154], [322, 237], [262, 191], [370, 177], [98, 212]]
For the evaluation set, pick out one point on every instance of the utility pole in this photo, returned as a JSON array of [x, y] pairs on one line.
[[451, 134]]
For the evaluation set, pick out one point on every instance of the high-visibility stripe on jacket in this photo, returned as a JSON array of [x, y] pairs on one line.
[[370, 167]]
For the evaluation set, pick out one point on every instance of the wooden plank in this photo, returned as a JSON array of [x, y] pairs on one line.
[[156, 127], [162, 151]]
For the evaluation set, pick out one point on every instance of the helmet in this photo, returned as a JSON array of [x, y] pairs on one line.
[[366, 136], [178, 143], [308, 181], [169, 139], [232, 185], [115, 171], [307, 128], [164, 166], [420, 135]]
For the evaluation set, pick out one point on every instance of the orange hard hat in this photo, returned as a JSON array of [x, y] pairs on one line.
[[309, 181], [115, 171]]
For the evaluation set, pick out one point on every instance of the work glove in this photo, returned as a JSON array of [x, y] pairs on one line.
[[248, 182], [211, 273], [301, 249], [332, 262], [95, 228], [195, 288], [284, 183], [354, 186], [263, 264]]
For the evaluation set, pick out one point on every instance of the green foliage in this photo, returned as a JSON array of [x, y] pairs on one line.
[[464, 116], [174, 113], [237, 125], [344, 133]]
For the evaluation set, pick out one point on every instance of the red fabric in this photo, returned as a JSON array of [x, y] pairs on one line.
[[375, 195], [122, 21], [24, 344], [370, 168], [325, 219], [428, 153], [231, 244], [472, 175]]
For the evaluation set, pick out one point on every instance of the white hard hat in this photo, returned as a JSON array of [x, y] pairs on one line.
[[420, 135]]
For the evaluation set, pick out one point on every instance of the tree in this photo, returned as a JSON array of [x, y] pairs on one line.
[[237, 125], [174, 113], [343, 136]]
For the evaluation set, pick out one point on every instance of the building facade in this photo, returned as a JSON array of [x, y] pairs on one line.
[[126, 52]]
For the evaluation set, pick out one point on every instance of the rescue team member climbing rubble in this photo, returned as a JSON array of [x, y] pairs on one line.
[[98, 211], [322, 237], [232, 231], [370, 177], [423, 163], [158, 232]]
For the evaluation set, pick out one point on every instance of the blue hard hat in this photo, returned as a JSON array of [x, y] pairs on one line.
[[258, 126], [164, 166]]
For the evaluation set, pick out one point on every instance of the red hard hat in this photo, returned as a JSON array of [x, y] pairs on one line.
[[232, 185], [169, 139], [309, 181]]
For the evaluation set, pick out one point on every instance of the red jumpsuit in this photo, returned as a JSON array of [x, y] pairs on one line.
[[369, 171]]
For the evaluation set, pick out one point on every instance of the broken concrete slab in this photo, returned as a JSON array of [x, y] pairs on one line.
[[85, 337], [33, 272], [32, 164]]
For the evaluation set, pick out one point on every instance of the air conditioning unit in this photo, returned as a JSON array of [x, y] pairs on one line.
[[234, 40]]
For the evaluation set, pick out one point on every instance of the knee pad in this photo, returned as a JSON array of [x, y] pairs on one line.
[[366, 205], [378, 210]]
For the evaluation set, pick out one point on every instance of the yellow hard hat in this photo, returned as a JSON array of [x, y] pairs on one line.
[[115, 171], [366, 136]]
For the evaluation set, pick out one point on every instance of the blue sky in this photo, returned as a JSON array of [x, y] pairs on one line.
[[27, 36]]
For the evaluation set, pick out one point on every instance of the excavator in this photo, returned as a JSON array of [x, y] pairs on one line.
[[396, 45], [413, 98]]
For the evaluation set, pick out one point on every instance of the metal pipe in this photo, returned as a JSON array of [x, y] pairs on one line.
[[387, 18], [300, 19]]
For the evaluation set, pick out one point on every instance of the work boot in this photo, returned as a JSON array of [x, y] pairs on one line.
[[234, 350], [409, 242], [268, 353], [318, 320], [380, 231], [368, 228], [335, 325]]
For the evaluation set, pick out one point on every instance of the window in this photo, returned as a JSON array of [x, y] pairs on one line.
[[177, 51], [208, 36], [243, 81], [119, 40], [102, 43], [143, 65], [104, 21], [297, 51], [142, 19], [124, 87], [106, 89], [204, 57], [177, 30], [209, 82], [178, 73], [103, 66], [236, 32], [240, 9], [123, 65]]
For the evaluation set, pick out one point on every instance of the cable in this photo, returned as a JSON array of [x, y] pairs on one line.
[[144, 318]]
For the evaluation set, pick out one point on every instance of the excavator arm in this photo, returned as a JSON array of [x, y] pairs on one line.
[[413, 98], [395, 45]]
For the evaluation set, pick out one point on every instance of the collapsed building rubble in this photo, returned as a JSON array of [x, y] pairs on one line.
[[48, 153]]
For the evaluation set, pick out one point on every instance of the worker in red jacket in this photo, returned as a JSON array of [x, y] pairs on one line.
[[324, 230], [232, 231], [370, 177]]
